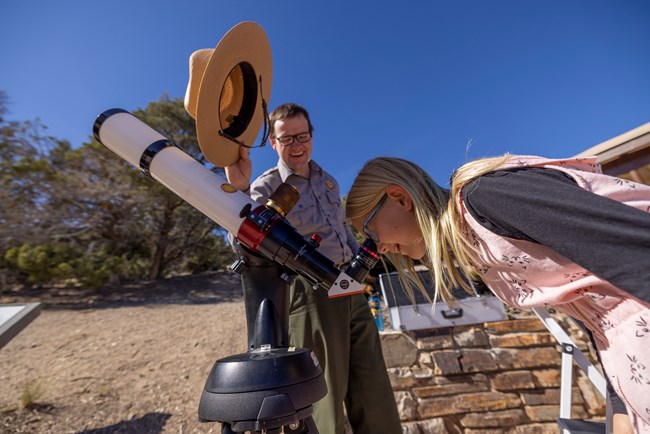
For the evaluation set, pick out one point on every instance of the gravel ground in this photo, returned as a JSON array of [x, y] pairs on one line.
[[124, 359]]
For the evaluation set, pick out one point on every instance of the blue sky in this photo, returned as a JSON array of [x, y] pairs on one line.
[[438, 82]]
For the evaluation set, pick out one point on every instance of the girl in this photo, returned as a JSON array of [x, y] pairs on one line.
[[538, 232]]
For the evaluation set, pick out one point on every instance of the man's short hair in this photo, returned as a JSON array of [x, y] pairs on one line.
[[285, 111]]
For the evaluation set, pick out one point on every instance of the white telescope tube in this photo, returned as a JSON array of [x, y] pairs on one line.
[[130, 138]]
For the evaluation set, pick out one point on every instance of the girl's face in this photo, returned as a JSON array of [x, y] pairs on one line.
[[394, 225]]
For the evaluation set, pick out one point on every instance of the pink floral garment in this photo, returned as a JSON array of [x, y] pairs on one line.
[[526, 275]]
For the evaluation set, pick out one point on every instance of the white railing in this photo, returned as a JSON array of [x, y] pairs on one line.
[[571, 353]]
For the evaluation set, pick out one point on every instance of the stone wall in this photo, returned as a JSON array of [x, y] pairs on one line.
[[491, 378]]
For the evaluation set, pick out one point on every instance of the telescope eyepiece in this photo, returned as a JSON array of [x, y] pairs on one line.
[[363, 261]]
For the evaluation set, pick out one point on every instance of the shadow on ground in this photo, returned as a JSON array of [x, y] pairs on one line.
[[208, 288], [150, 423]]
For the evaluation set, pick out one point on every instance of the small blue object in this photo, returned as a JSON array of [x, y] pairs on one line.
[[375, 307]]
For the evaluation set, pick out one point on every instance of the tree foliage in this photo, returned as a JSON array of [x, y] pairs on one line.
[[86, 215]]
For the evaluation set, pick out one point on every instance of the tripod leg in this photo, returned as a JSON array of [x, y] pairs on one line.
[[264, 289], [226, 429], [310, 425]]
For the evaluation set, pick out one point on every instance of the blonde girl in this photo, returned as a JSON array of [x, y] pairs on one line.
[[538, 232]]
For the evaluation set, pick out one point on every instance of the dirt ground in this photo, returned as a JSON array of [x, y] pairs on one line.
[[127, 359]]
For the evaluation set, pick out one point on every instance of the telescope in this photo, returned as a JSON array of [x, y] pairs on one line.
[[260, 228], [272, 386]]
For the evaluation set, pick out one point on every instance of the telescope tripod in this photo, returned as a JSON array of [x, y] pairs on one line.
[[271, 387]]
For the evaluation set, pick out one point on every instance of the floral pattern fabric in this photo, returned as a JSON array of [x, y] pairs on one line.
[[526, 275]]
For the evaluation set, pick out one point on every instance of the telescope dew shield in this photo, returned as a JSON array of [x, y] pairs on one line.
[[159, 157]]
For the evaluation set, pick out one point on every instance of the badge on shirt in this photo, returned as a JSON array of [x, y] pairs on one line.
[[329, 184]]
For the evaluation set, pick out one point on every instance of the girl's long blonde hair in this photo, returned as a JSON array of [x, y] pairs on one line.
[[448, 250]]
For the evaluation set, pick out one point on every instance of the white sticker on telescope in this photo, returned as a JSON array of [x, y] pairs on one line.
[[344, 285]]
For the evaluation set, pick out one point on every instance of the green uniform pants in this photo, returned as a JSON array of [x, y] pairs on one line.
[[344, 337]]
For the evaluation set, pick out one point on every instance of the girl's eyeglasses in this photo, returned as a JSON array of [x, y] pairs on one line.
[[369, 233]]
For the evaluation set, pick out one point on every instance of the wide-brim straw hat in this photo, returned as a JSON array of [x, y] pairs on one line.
[[227, 92]]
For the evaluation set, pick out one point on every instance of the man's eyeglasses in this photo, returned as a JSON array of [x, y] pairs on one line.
[[369, 233], [288, 140]]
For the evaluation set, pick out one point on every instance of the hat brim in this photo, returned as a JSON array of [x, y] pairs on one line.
[[246, 43]]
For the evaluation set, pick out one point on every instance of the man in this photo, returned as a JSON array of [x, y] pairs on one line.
[[341, 331]]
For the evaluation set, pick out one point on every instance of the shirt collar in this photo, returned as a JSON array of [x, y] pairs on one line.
[[285, 171]]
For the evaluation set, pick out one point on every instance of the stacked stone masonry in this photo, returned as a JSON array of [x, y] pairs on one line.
[[490, 378]]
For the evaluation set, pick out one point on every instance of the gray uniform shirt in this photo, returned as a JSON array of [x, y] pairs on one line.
[[318, 210]]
